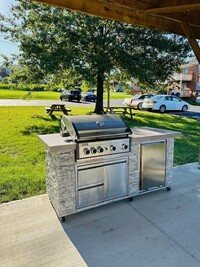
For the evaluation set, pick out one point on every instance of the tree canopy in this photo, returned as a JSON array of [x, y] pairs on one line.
[[53, 40]]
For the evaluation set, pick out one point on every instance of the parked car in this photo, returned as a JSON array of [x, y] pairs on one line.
[[64, 95], [136, 101], [71, 95], [89, 96], [164, 103], [119, 90], [78, 89]]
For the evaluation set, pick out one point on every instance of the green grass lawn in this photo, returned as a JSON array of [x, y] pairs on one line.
[[17, 94], [22, 155]]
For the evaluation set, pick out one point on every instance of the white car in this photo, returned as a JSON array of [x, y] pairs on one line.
[[136, 101], [164, 103]]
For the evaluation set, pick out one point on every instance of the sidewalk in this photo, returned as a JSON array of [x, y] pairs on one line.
[[31, 235], [159, 229]]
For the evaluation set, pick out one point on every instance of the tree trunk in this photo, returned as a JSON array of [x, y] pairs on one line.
[[99, 102]]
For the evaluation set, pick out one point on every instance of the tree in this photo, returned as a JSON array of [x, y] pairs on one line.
[[53, 39]]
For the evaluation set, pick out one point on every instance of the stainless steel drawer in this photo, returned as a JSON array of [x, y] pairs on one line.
[[102, 181], [90, 196], [90, 175]]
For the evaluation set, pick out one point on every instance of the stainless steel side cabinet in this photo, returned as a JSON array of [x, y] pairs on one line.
[[152, 165]]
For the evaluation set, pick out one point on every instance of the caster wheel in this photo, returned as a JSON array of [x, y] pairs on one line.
[[130, 199], [168, 188]]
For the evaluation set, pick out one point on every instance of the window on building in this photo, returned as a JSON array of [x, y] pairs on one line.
[[185, 70], [184, 86]]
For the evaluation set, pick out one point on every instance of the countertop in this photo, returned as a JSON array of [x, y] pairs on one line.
[[57, 143], [148, 133]]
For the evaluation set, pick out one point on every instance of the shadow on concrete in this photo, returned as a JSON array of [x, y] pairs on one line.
[[156, 229]]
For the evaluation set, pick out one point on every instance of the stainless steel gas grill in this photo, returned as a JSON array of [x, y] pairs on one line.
[[97, 135], [96, 160], [102, 147]]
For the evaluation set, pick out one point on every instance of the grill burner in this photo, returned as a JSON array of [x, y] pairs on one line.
[[97, 135]]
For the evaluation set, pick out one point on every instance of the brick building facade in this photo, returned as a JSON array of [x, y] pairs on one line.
[[187, 82]]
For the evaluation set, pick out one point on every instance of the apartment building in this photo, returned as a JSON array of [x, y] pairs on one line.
[[187, 82]]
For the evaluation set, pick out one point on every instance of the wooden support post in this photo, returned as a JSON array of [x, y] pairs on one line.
[[191, 38]]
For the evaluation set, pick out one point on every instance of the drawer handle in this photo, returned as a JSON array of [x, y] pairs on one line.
[[90, 186]]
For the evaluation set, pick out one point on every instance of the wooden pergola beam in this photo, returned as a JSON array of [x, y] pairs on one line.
[[120, 13], [191, 38], [133, 4], [190, 18], [169, 9], [147, 4]]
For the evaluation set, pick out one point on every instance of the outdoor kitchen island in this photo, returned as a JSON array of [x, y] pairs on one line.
[[144, 166]]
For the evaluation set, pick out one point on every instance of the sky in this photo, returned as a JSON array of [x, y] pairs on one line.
[[6, 47]]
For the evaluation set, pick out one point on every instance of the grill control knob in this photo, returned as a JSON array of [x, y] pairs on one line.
[[124, 146], [100, 149], [112, 148], [86, 151], [93, 150]]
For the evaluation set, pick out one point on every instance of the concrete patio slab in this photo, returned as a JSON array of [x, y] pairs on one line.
[[157, 229], [31, 235]]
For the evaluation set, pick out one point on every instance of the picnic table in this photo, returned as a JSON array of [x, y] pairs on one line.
[[124, 110], [57, 107]]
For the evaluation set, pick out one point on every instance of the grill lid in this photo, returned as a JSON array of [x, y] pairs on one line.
[[88, 127]]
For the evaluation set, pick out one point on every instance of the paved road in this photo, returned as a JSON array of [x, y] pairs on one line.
[[193, 112], [17, 102]]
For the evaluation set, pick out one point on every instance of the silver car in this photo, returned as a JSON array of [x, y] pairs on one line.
[[136, 101]]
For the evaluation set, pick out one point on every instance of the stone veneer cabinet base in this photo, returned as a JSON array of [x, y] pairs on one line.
[[61, 168]]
